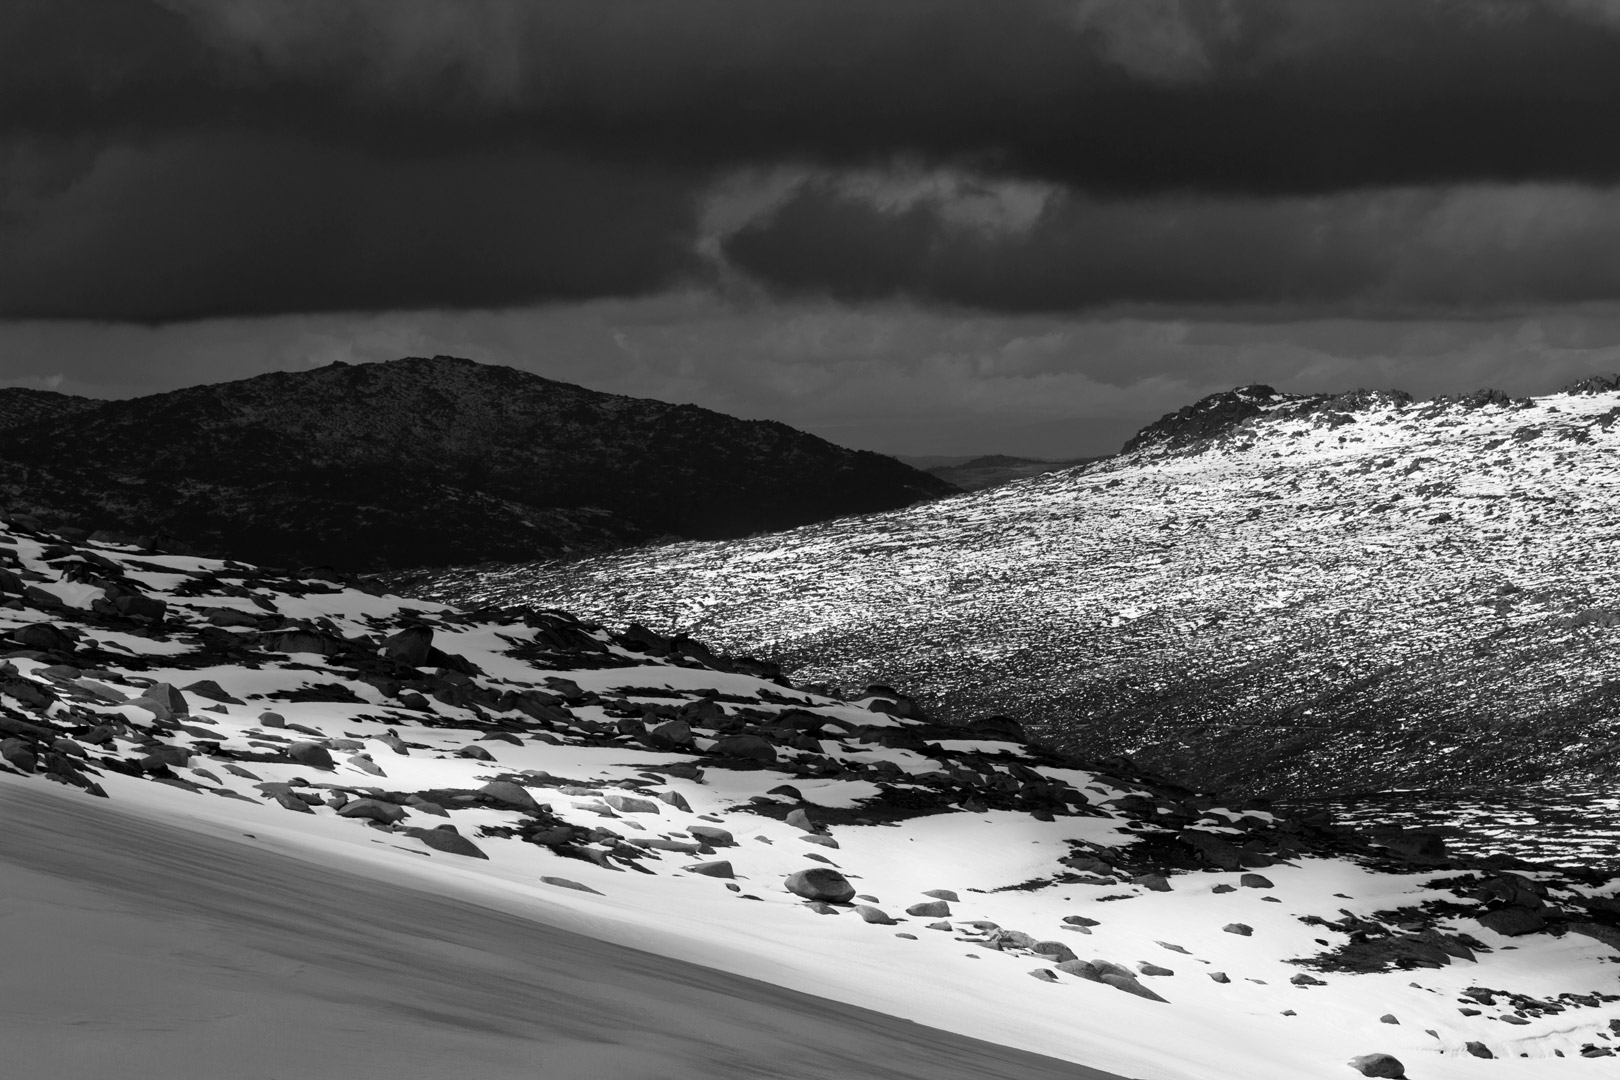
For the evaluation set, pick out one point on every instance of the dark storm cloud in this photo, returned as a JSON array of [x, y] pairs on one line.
[[191, 227], [174, 159], [1236, 96], [1381, 253]]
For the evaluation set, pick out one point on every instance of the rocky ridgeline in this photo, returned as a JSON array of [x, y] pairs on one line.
[[299, 693]]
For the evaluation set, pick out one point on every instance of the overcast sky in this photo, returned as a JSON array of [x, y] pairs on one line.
[[918, 226]]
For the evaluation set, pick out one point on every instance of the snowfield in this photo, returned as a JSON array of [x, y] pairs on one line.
[[354, 835]]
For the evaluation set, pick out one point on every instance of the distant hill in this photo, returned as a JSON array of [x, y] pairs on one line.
[[424, 462], [1287, 594], [992, 469]]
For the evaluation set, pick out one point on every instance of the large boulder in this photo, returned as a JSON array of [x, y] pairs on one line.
[[384, 813], [1513, 921], [446, 839], [411, 646], [820, 883], [510, 795], [751, 747], [312, 754], [1380, 1065]]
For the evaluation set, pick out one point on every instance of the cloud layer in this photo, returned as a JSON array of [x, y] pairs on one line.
[[172, 159]]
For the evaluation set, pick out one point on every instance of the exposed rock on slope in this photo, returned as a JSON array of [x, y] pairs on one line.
[[1283, 594], [423, 462]]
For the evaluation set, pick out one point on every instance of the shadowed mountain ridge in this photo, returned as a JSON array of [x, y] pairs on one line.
[[428, 461]]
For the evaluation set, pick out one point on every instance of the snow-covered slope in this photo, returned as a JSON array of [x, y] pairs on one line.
[[1288, 595], [639, 789]]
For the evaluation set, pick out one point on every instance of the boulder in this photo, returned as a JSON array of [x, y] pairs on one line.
[[1380, 1065], [820, 883], [1080, 969], [629, 804], [170, 698], [137, 606], [1129, 984], [373, 810], [42, 636], [312, 754], [675, 799], [871, 914], [18, 754], [1240, 929], [750, 747], [1152, 882], [411, 646], [364, 763], [1255, 881], [720, 868], [929, 909], [208, 688], [1060, 952], [672, 734], [1512, 921], [510, 795], [712, 836], [272, 719], [446, 839], [801, 820]]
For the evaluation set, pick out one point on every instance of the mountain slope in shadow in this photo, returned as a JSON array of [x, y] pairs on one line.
[[422, 462]]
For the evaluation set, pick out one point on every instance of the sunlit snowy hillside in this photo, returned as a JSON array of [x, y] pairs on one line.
[[1290, 595]]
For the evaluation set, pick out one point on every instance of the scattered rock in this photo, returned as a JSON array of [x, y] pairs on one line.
[[375, 810], [720, 868], [750, 747], [446, 839], [1129, 984], [412, 646], [314, 755], [709, 834], [629, 804], [820, 883], [929, 909], [510, 795]]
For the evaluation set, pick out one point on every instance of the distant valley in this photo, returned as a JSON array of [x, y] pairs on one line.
[[1283, 594], [989, 470]]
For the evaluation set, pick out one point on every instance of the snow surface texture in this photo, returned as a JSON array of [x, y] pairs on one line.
[[1282, 595], [643, 792]]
